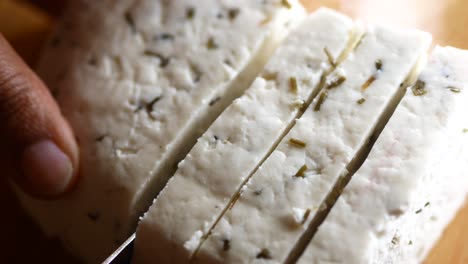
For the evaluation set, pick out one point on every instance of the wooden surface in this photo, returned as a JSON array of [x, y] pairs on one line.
[[26, 27]]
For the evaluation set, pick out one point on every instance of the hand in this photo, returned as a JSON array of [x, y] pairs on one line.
[[37, 146]]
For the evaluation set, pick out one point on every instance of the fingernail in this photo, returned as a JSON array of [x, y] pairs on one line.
[[46, 169]]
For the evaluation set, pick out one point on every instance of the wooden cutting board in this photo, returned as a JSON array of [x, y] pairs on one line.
[[26, 28]]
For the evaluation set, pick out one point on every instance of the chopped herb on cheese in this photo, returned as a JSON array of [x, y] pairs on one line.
[[395, 240], [130, 21], [264, 254], [286, 4], [270, 76], [164, 36], [293, 84], [226, 244], [233, 13], [323, 96], [190, 13], [211, 44], [336, 81], [301, 171], [361, 101], [306, 215], [368, 82], [454, 89], [297, 143], [378, 64], [258, 192], [419, 88], [164, 61], [214, 101]]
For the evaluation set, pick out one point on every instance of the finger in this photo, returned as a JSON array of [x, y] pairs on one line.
[[33, 133]]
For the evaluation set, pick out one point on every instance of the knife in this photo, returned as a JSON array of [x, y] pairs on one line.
[[123, 254]]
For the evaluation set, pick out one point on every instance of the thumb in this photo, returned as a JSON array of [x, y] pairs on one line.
[[35, 139]]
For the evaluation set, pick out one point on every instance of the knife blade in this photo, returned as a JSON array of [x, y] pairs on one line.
[[123, 254]]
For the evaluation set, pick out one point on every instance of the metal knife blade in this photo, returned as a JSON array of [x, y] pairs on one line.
[[122, 255]]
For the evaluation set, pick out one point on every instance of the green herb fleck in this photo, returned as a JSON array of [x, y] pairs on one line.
[[427, 204], [378, 64], [368, 82], [214, 101], [164, 61], [418, 211], [306, 215], [264, 254], [419, 88], [265, 21], [336, 81], [323, 96], [149, 106], [361, 101], [454, 89], [286, 4], [301, 171], [297, 143], [226, 244], [395, 240], [293, 84], [270, 76], [465, 130], [258, 192], [197, 74], [330, 58], [164, 36], [190, 13], [410, 242], [130, 21], [233, 13], [211, 44]]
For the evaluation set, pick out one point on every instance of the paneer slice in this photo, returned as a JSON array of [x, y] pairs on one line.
[[140, 81], [280, 200], [414, 180], [242, 136]]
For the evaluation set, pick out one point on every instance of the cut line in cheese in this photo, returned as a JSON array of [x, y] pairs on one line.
[[334, 128], [139, 81], [354, 164], [412, 183], [245, 133]]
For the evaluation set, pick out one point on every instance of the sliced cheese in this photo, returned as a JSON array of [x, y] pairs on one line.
[[412, 183], [263, 225], [239, 139], [139, 81]]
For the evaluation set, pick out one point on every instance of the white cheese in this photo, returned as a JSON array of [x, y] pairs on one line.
[[239, 139], [140, 81], [263, 227], [397, 204]]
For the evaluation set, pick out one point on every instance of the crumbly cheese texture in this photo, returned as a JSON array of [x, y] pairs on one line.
[[262, 225], [139, 81], [239, 139], [413, 181]]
